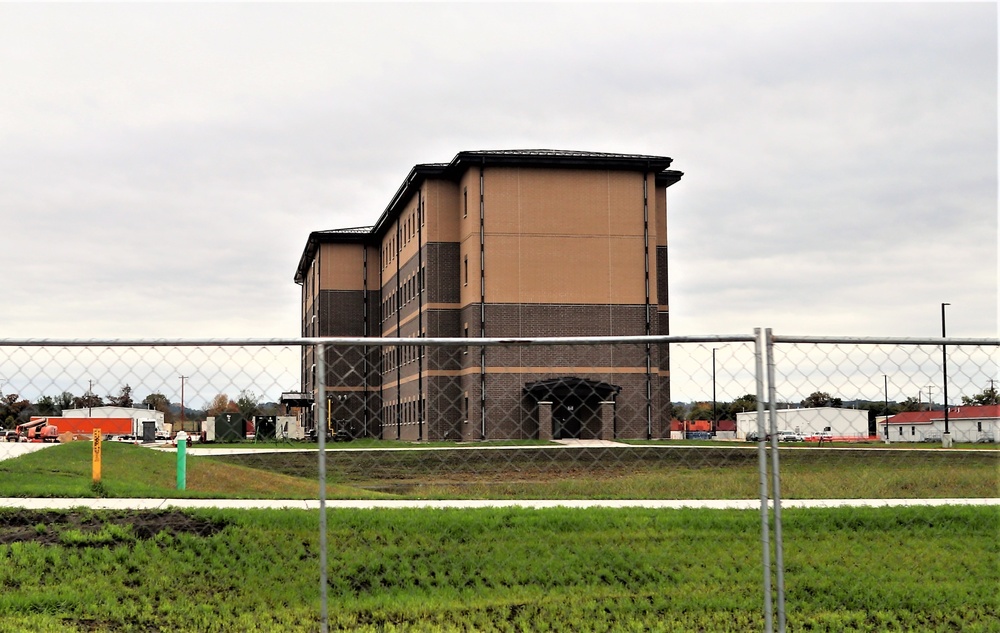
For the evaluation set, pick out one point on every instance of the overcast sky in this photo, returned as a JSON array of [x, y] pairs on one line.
[[161, 166]]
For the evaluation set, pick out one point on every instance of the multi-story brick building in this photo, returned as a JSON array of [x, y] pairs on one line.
[[495, 244]]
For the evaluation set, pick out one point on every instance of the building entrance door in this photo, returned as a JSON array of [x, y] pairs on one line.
[[575, 404], [566, 421]]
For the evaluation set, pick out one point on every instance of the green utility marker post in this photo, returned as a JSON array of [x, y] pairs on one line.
[[181, 439]]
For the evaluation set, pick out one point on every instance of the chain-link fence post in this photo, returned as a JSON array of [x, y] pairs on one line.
[[321, 442], [765, 536], [779, 557]]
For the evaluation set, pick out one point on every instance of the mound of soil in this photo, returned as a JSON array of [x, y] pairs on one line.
[[45, 526]]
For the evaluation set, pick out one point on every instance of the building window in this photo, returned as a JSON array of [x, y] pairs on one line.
[[979, 426], [465, 202], [465, 270], [900, 431], [913, 430]]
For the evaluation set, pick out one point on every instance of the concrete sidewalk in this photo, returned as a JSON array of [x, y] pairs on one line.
[[314, 504]]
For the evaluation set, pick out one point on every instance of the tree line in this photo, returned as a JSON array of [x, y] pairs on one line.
[[16, 410], [702, 410]]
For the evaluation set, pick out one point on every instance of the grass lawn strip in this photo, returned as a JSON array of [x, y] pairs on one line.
[[513, 473], [867, 569]]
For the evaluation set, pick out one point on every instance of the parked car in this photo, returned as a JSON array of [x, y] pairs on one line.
[[986, 439], [11, 436], [933, 437], [699, 435], [822, 436], [752, 436], [787, 436]]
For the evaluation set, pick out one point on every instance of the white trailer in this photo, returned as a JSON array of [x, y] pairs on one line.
[[825, 421]]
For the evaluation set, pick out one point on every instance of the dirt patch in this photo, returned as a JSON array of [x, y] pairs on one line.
[[48, 526]]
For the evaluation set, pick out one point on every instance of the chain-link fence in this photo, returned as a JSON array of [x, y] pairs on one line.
[[756, 419]]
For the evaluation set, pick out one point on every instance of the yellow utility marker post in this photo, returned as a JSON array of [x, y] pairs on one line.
[[97, 456]]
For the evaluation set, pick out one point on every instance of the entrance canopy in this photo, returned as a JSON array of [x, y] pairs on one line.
[[559, 389]]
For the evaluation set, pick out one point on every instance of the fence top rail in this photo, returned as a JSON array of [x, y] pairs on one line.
[[490, 342], [374, 342], [884, 340]]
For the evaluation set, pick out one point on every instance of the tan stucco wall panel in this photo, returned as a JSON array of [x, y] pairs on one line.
[[442, 210], [552, 269], [627, 270], [468, 204], [502, 200], [341, 267], [661, 216], [563, 202], [409, 231], [625, 196]]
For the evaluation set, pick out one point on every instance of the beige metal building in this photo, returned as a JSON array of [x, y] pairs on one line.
[[514, 243]]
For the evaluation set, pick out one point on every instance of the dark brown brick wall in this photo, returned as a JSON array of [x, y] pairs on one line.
[[661, 276], [341, 313], [442, 262]]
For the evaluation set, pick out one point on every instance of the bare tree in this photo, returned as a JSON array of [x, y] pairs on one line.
[[123, 399]]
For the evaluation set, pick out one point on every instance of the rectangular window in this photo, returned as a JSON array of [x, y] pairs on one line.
[[913, 430], [900, 431], [465, 269], [465, 202]]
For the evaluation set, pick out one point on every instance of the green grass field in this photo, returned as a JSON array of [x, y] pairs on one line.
[[888, 569], [539, 472], [851, 569]]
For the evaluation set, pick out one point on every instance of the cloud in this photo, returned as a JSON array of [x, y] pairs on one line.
[[162, 165]]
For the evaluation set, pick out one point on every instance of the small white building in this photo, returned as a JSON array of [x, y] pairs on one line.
[[807, 422], [137, 415], [965, 424]]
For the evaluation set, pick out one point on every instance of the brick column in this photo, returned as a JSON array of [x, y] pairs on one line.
[[607, 420], [545, 420]]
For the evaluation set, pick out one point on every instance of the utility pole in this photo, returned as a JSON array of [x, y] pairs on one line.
[[930, 398], [90, 398]]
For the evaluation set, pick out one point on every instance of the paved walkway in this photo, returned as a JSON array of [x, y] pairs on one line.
[[10, 450], [313, 504]]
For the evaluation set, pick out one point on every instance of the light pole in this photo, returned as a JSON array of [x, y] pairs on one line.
[[944, 373], [714, 417], [885, 392]]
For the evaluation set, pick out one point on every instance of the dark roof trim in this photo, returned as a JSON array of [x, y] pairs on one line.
[[356, 235], [562, 158], [561, 388], [566, 159]]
